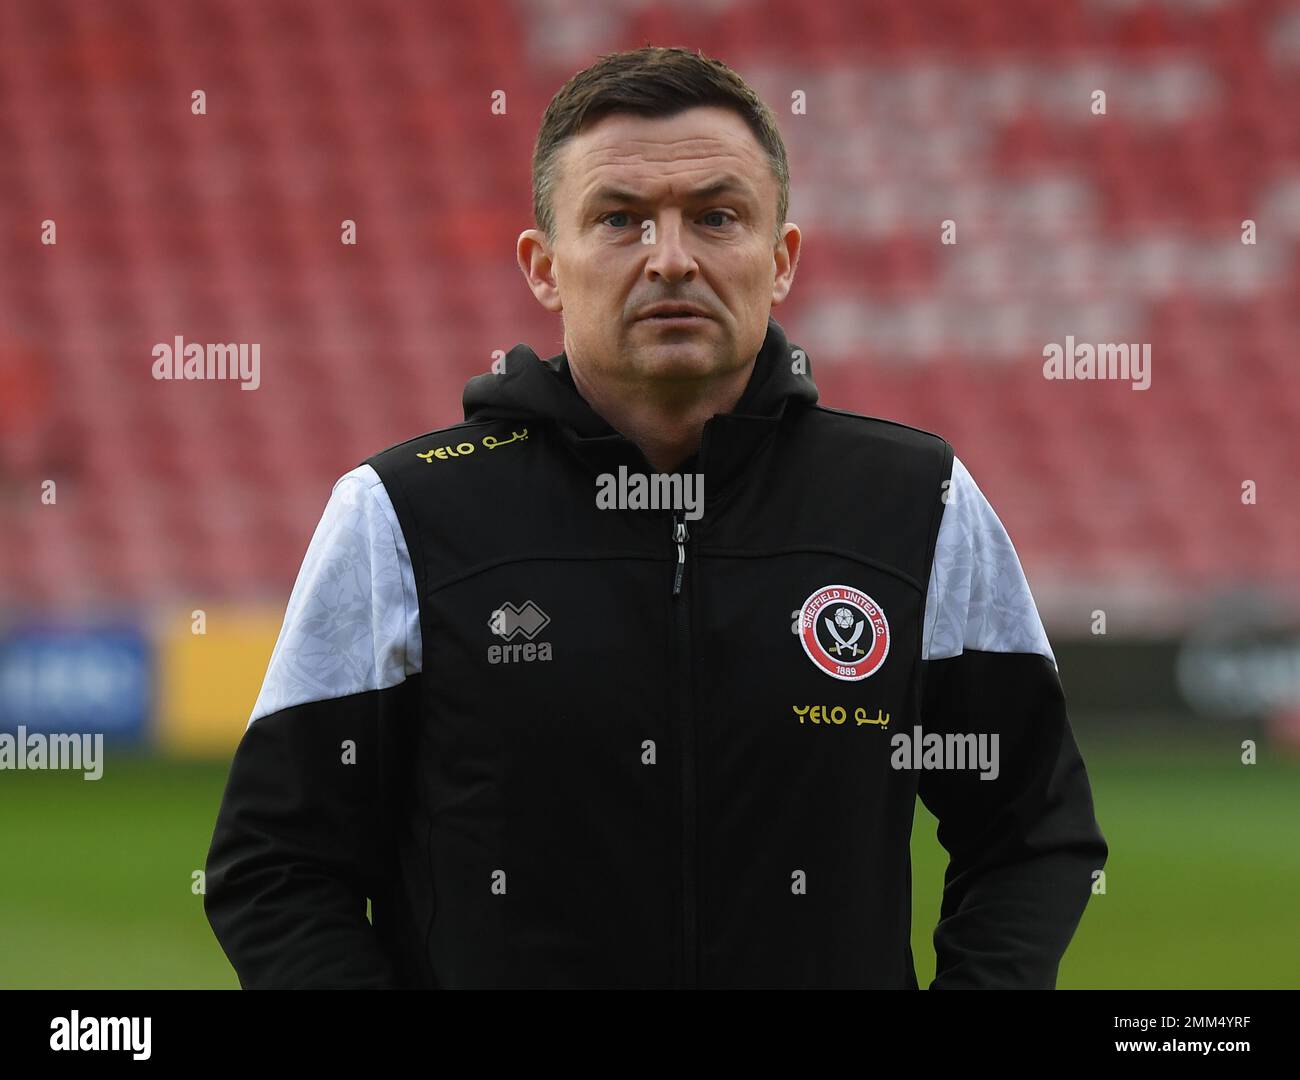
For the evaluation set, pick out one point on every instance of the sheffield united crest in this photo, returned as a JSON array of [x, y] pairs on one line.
[[844, 632]]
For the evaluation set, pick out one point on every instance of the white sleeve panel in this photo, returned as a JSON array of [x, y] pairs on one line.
[[353, 619], [978, 596]]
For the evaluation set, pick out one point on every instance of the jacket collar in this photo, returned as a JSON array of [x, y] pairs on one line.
[[530, 388]]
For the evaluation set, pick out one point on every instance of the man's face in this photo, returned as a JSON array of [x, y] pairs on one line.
[[699, 188]]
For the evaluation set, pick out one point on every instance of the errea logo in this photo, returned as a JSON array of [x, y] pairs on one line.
[[510, 622]]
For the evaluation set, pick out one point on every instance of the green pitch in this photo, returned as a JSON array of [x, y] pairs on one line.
[[1201, 884]]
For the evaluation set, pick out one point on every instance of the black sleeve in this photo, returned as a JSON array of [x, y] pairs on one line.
[[301, 840], [1022, 847], [308, 824]]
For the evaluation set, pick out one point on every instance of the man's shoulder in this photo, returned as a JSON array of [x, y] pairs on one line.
[[467, 441], [452, 434], [878, 431]]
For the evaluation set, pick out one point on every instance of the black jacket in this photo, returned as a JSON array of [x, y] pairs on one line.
[[558, 745]]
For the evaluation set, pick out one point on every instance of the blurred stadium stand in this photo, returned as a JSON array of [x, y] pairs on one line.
[[225, 227]]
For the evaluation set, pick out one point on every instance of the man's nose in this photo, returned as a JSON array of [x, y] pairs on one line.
[[670, 257]]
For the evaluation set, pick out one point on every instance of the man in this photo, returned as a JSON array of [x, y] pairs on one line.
[[561, 734]]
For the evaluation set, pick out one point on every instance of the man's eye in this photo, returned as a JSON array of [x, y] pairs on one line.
[[723, 218]]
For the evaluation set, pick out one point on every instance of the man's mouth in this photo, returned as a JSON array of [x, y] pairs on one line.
[[675, 316]]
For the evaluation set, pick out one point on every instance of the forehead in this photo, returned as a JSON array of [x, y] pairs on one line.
[[663, 154]]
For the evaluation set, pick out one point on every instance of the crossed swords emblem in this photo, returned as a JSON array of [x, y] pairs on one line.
[[842, 644]]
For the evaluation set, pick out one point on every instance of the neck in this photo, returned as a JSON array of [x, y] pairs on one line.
[[665, 420]]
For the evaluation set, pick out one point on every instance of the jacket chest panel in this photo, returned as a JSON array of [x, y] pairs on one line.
[[792, 670], [589, 733]]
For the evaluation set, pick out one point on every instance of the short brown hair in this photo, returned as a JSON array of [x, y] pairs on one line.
[[649, 81]]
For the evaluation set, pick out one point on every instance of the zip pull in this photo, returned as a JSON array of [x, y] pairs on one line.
[[680, 536]]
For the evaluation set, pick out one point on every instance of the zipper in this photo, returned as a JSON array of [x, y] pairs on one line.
[[680, 536], [681, 623]]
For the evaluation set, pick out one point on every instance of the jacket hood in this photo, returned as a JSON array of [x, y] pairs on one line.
[[533, 388]]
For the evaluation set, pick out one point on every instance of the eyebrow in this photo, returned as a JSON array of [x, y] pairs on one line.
[[606, 193]]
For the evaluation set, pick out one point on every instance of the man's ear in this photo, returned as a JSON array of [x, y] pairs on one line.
[[786, 257], [537, 261]]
